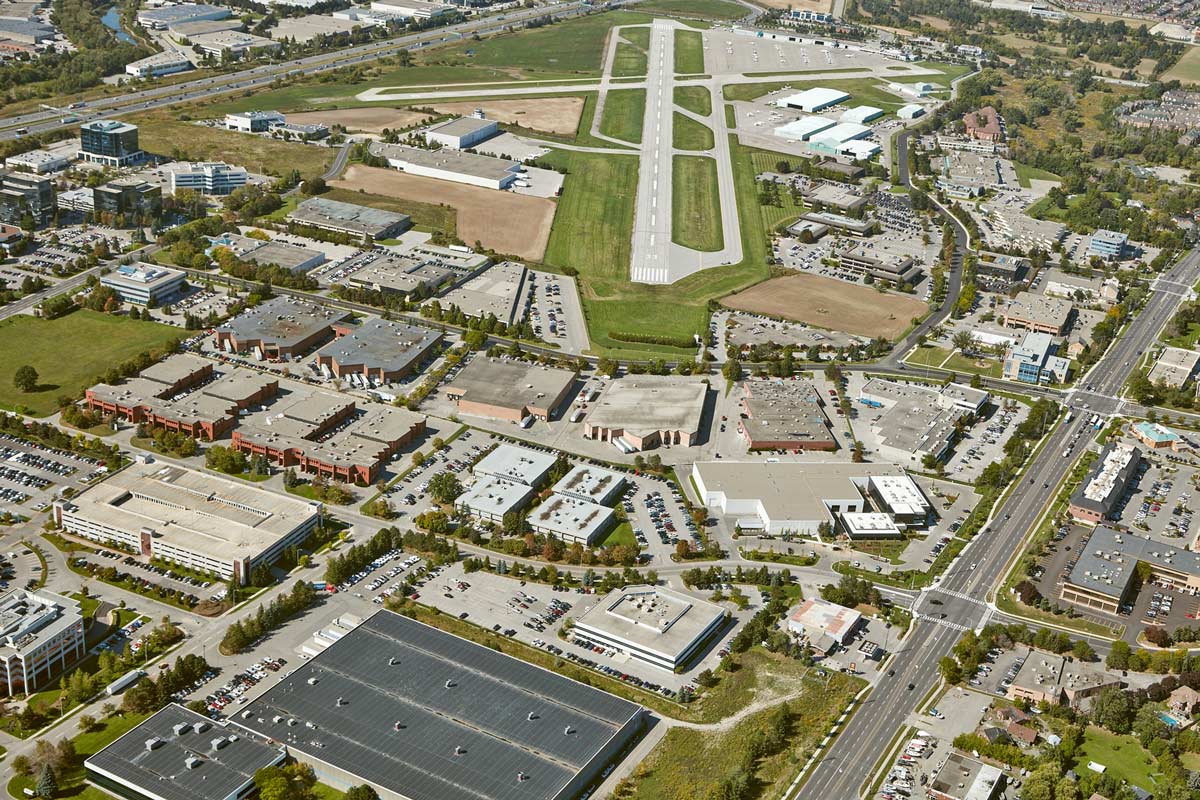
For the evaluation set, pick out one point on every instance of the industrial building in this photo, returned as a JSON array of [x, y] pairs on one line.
[[254, 121], [23, 193], [510, 390], [642, 412], [327, 434], [824, 624], [41, 636], [784, 415], [144, 284], [506, 480], [204, 523], [804, 128], [235, 43], [282, 327], [183, 393], [1034, 361], [796, 497], [504, 290], [184, 30], [861, 115], [1058, 680], [38, 161], [450, 164], [412, 9], [379, 351], [311, 27], [1095, 501], [333, 215], [1107, 572], [168, 62], [813, 100], [421, 270], [178, 754], [207, 177], [591, 483], [163, 17], [462, 132], [420, 714], [831, 141], [964, 778], [1174, 366], [911, 111], [1037, 313], [840, 222], [571, 519], [291, 257], [652, 624]]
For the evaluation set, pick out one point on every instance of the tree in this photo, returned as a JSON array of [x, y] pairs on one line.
[[25, 378], [47, 785], [363, 792], [445, 487], [950, 670], [963, 341], [1114, 709]]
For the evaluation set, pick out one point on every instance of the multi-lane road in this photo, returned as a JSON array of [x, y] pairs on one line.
[[964, 590]]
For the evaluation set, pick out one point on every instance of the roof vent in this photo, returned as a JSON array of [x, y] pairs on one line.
[[458, 750], [532, 716], [393, 661], [567, 731], [450, 684], [398, 726], [312, 681], [341, 701], [522, 777]]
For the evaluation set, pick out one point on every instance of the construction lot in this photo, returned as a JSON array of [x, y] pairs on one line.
[[508, 223], [831, 304]]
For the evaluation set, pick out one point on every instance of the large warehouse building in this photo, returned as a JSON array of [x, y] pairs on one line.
[[510, 390], [350, 218], [813, 100], [652, 624], [450, 164], [462, 132], [194, 519], [420, 714], [646, 411], [379, 351], [282, 327]]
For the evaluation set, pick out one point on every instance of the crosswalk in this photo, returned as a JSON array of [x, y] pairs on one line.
[[958, 594], [945, 623]]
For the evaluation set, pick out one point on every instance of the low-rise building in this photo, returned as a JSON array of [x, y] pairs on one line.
[[1095, 501], [204, 523], [291, 257], [167, 62], [1174, 366], [813, 100], [1001, 272], [1155, 436], [413, 9], [824, 623], [462, 132], [145, 284], [919, 421], [162, 17], [282, 327], [880, 265], [984, 125], [510, 390], [421, 270], [234, 43], [784, 415], [1108, 245], [503, 290], [965, 778], [38, 161], [24, 196], [379, 351], [254, 121], [207, 177], [652, 624], [41, 636], [849, 225], [643, 412], [131, 198], [450, 164], [1037, 313], [1058, 680], [334, 215], [1034, 361]]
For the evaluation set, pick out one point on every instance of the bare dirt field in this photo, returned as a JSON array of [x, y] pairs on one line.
[[363, 120], [549, 114], [830, 303], [799, 5], [513, 224]]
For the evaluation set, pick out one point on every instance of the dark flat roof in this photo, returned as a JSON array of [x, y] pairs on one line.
[[484, 710], [163, 772]]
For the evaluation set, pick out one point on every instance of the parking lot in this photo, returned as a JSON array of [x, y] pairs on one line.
[[32, 474], [738, 330], [556, 314], [185, 588], [659, 518], [984, 442], [1160, 502]]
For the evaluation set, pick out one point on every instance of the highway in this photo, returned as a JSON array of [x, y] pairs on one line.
[[263, 74], [963, 591]]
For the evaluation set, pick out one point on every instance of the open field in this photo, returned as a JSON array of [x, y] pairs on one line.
[[704, 9], [364, 120], [573, 46], [70, 353], [1122, 755], [557, 115], [689, 52], [623, 113], [811, 5], [695, 206], [1186, 69], [831, 303], [184, 141], [696, 99], [508, 223], [688, 134], [593, 228], [1026, 173]]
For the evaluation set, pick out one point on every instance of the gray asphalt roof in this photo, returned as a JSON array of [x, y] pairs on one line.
[[446, 693], [162, 771]]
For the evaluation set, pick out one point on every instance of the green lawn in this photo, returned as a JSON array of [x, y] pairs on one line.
[[87, 604], [928, 355], [696, 99], [622, 534], [163, 135], [1187, 340], [639, 37], [950, 72], [1124, 757], [695, 204], [71, 785], [429, 216], [623, 113], [70, 353], [705, 9], [691, 135], [629, 61], [1186, 69], [961, 363], [325, 792], [1026, 173], [689, 53], [574, 46]]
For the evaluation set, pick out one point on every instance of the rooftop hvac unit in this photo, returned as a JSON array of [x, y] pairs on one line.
[[219, 742], [153, 743], [191, 762]]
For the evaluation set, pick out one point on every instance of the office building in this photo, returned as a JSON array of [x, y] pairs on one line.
[[1000, 272], [1034, 361], [38, 161], [110, 142], [1109, 568], [462, 132], [254, 121], [420, 714], [1058, 680], [133, 198], [25, 196], [510, 390], [234, 43], [178, 754], [207, 177], [1096, 500], [144, 284], [984, 125], [204, 523], [41, 636], [1155, 436], [1037, 313], [879, 264], [167, 62], [1174, 367], [1108, 245], [642, 412], [333, 215], [652, 624]]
